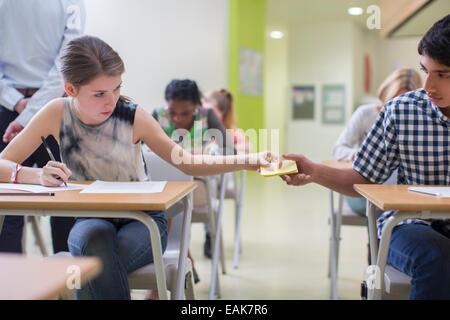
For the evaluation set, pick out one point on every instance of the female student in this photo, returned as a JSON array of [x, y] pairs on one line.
[[195, 128], [185, 119], [100, 133], [397, 83], [221, 101]]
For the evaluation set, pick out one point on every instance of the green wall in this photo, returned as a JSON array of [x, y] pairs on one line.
[[247, 26]]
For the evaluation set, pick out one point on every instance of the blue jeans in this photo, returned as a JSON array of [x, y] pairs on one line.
[[358, 205], [424, 254], [123, 245]]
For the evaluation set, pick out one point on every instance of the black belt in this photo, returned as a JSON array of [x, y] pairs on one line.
[[28, 92]]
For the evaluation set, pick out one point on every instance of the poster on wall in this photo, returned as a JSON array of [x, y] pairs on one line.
[[250, 72], [333, 104], [302, 102]]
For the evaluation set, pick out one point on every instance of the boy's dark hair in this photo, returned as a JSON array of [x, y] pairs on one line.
[[436, 42], [186, 90]]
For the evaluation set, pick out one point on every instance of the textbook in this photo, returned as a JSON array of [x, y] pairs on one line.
[[287, 167], [443, 192]]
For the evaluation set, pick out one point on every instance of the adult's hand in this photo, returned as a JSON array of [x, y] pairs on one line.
[[13, 130], [21, 105]]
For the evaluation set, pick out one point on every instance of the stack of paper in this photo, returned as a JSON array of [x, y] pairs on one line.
[[443, 192], [39, 188], [125, 187], [287, 167]]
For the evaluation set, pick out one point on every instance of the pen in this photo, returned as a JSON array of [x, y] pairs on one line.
[[50, 154], [27, 193]]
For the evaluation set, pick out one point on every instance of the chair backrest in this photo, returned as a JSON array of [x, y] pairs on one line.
[[160, 170]]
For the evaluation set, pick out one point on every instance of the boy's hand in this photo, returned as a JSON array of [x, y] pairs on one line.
[[305, 173]]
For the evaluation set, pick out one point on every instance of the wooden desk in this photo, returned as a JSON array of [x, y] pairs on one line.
[[35, 278], [409, 205], [75, 204]]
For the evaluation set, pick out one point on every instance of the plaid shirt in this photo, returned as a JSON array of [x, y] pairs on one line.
[[411, 135]]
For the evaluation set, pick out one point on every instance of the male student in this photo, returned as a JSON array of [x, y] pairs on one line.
[[412, 135]]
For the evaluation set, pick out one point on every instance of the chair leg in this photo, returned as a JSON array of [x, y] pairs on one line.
[[222, 254], [189, 287], [237, 236]]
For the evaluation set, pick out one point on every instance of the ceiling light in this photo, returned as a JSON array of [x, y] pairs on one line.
[[355, 11], [276, 34]]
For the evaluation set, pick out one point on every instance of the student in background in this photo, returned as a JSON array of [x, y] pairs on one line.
[[419, 248], [100, 134], [185, 118], [221, 101], [196, 128], [397, 83], [32, 34]]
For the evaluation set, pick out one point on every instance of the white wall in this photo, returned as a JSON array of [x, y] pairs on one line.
[[333, 52], [161, 40], [276, 83], [397, 53], [319, 54]]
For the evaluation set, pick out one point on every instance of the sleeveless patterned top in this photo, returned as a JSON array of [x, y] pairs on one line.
[[102, 152]]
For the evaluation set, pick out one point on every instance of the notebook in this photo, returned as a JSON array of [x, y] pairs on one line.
[[443, 192], [287, 167]]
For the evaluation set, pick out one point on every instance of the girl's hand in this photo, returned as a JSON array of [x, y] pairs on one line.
[[54, 174], [263, 159]]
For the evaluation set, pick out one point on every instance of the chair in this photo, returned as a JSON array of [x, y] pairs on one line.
[[145, 277], [210, 212], [342, 215], [235, 192], [396, 283]]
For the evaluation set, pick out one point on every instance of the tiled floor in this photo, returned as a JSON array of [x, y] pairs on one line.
[[285, 241]]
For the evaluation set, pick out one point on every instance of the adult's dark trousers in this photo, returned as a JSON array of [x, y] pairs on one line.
[[11, 233]]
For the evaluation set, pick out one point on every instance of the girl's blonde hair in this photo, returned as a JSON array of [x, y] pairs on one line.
[[401, 79], [224, 102]]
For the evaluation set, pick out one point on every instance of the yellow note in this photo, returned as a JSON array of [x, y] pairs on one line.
[[287, 167]]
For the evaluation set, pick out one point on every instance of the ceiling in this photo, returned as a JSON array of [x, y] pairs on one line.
[[419, 23], [288, 12], [291, 12]]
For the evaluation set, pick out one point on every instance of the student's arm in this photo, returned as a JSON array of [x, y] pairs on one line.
[[146, 129], [225, 140], [46, 122], [340, 180]]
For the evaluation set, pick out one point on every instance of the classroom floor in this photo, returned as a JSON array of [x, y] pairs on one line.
[[285, 243]]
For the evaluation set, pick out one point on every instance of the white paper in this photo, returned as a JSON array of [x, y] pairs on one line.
[[39, 188], [443, 192], [125, 187]]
